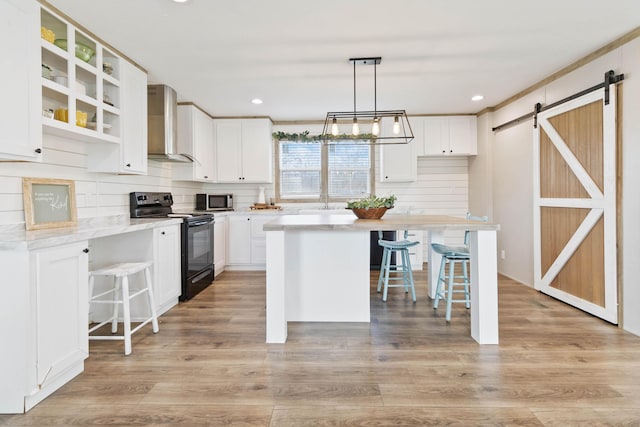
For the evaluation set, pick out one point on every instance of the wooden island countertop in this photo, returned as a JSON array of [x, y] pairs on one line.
[[388, 222]]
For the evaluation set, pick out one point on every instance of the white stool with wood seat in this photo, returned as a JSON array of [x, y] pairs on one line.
[[122, 295], [406, 279], [447, 283]]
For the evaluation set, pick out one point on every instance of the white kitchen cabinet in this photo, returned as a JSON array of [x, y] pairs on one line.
[[259, 239], [21, 106], [398, 163], [167, 267], [60, 333], [239, 240], [88, 93], [45, 310], [195, 138], [220, 244], [450, 135], [130, 156], [246, 243], [134, 117], [243, 150]]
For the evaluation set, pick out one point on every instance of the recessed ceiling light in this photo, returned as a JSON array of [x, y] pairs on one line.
[[180, 1], [477, 98], [256, 101]]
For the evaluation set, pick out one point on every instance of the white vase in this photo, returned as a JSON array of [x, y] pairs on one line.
[[261, 198]]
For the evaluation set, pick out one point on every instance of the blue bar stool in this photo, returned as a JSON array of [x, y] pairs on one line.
[[447, 284], [406, 278], [447, 279]]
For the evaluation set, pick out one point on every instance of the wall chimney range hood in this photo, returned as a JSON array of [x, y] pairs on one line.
[[162, 122]]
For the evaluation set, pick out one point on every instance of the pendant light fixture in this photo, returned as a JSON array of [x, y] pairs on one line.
[[371, 127]]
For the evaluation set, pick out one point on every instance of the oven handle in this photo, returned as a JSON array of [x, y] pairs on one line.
[[195, 224]]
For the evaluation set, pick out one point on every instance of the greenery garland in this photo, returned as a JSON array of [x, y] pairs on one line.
[[305, 137]]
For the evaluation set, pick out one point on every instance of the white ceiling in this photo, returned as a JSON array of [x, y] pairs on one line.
[[294, 54]]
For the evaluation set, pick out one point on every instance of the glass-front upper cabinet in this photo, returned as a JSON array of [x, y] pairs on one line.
[[80, 82]]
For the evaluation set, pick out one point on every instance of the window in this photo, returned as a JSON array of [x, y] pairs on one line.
[[312, 171]]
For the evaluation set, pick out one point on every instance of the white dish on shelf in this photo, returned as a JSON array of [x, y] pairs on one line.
[[80, 88], [93, 125]]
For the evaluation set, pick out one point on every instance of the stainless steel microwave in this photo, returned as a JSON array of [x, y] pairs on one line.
[[214, 202]]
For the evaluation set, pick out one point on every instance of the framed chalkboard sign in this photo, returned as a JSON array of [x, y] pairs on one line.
[[49, 203]]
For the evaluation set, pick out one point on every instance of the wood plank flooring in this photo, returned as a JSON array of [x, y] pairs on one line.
[[209, 366]]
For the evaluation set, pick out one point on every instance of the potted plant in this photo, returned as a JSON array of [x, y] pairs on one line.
[[371, 207]]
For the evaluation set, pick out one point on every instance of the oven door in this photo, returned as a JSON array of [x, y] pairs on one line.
[[198, 257], [199, 246]]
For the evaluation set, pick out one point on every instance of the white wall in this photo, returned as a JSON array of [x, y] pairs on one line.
[[97, 194], [510, 153], [441, 188], [480, 169], [630, 210]]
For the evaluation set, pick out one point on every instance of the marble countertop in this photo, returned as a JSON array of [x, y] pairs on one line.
[[87, 229], [388, 222]]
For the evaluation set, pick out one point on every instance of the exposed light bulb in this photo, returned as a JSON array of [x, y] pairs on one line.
[[334, 128], [355, 129], [375, 128], [477, 98], [396, 125]]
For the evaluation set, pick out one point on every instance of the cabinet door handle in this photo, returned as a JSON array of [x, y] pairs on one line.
[[386, 177], [163, 233], [85, 250], [206, 177], [38, 150], [128, 165]]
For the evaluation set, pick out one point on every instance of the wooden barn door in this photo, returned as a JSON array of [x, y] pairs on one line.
[[575, 204]]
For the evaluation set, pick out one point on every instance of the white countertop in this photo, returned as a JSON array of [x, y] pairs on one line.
[[87, 229]]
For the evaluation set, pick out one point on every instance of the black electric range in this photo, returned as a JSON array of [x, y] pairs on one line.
[[196, 238]]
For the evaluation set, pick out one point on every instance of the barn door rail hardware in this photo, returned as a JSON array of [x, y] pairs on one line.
[[610, 78]]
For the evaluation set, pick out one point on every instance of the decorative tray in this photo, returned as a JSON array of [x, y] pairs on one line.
[[258, 206]]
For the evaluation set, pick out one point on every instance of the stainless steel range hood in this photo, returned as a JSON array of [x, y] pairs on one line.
[[162, 122]]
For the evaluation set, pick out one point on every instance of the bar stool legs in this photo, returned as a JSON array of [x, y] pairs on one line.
[[404, 268], [121, 294], [447, 282]]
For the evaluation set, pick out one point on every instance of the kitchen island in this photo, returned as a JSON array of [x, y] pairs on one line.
[[318, 269]]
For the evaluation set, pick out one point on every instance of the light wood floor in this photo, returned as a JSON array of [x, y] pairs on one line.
[[209, 365]]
